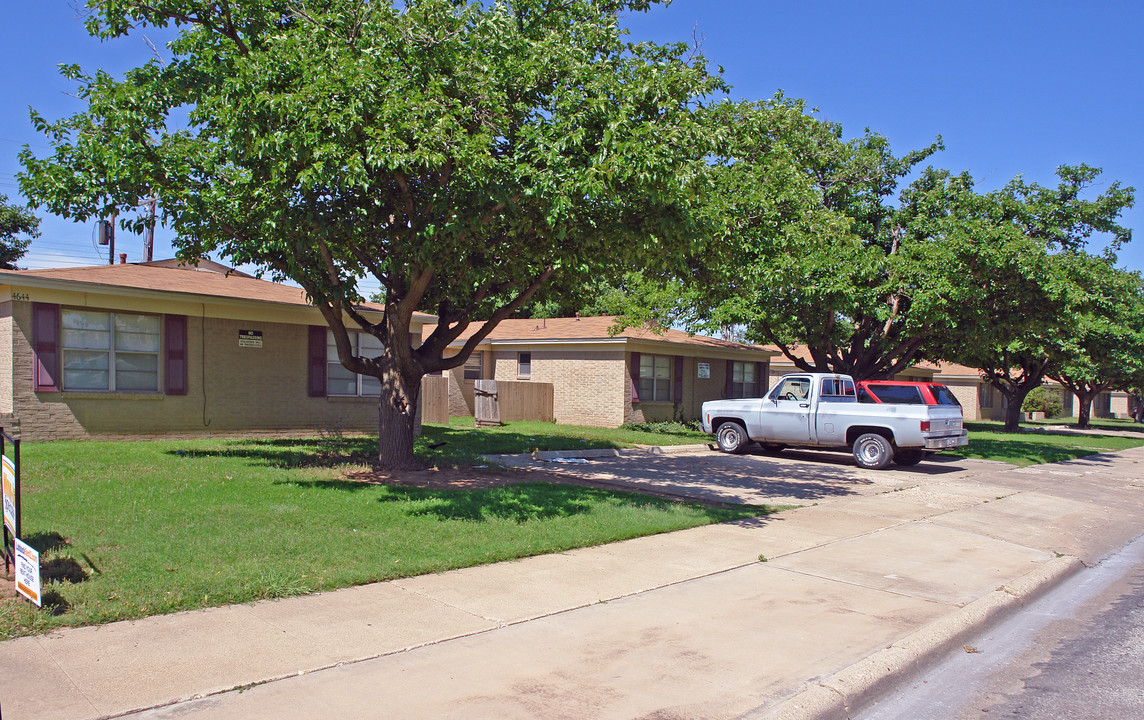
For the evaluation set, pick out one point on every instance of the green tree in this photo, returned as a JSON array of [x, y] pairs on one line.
[[15, 222], [1105, 348], [1031, 282], [462, 153], [809, 250]]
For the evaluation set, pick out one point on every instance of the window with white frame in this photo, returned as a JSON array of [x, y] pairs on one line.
[[109, 352], [341, 382], [744, 382], [655, 378], [524, 364]]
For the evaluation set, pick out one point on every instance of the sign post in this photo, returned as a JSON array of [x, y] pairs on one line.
[[10, 483]]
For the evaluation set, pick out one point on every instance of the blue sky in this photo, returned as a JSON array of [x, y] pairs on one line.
[[1012, 87]]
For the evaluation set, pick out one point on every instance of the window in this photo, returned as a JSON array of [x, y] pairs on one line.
[[744, 383], [944, 395], [655, 378], [344, 383], [985, 395], [792, 388], [836, 388], [524, 364], [106, 352], [1102, 405], [898, 394], [475, 366]]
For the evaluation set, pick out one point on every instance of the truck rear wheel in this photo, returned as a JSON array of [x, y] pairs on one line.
[[873, 451], [731, 437]]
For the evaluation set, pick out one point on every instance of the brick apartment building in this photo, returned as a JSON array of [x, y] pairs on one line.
[[605, 380], [158, 349]]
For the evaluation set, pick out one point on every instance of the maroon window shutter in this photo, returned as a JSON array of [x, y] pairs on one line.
[[176, 368], [635, 377], [46, 347], [317, 361], [729, 387], [677, 386], [760, 375]]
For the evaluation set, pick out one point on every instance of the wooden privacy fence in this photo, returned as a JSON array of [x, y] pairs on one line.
[[435, 400], [501, 401]]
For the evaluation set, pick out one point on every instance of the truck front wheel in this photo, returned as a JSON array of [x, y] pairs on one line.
[[731, 437], [873, 451]]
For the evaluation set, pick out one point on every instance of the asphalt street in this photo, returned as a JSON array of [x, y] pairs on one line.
[[1076, 653]]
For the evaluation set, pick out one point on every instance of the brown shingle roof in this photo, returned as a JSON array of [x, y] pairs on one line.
[[943, 368], [162, 276], [588, 329]]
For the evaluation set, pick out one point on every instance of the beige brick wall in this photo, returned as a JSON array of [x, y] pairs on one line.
[[462, 392], [967, 394], [589, 387], [696, 391], [231, 390], [5, 355]]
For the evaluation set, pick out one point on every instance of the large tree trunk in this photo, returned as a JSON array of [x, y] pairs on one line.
[[1084, 409], [397, 422], [1013, 414]]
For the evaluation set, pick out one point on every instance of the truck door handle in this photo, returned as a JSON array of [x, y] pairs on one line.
[[806, 405]]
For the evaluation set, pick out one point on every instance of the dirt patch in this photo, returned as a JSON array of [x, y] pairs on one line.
[[7, 584]]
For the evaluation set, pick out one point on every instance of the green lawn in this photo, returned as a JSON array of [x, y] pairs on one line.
[[1035, 444], [462, 444], [1094, 424], [155, 527]]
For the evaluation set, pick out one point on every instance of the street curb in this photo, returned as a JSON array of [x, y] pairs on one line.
[[857, 687]]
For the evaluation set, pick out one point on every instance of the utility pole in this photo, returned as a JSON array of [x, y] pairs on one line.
[[149, 245], [107, 237]]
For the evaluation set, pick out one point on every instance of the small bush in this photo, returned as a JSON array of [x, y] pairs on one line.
[[664, 427], [1044, 400]]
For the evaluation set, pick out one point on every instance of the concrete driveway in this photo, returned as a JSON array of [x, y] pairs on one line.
[[792, 477]]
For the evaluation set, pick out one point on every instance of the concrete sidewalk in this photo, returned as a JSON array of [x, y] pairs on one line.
[[855, 591]]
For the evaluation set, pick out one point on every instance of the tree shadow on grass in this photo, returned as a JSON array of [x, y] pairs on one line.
[[518, 503], [1008, 449], [292, 452], [436, 446]]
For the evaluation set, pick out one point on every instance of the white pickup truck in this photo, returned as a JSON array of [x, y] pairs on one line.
[[819, 410]]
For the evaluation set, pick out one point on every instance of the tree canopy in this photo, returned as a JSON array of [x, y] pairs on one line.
[[1033, 282], [17, 228], [462, 153]]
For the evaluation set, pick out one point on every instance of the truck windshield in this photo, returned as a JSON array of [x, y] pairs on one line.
[[793, 388]]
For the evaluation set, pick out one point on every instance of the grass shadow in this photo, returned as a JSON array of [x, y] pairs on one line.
[[437, 446], [45, 542], [520, 502], [292, 453], [1034, 453]]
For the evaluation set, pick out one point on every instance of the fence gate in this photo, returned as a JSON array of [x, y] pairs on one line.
[[486, 403], [435, 400]]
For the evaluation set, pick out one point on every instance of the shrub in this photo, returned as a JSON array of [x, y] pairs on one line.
[[664, 427], [1044, 400]]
